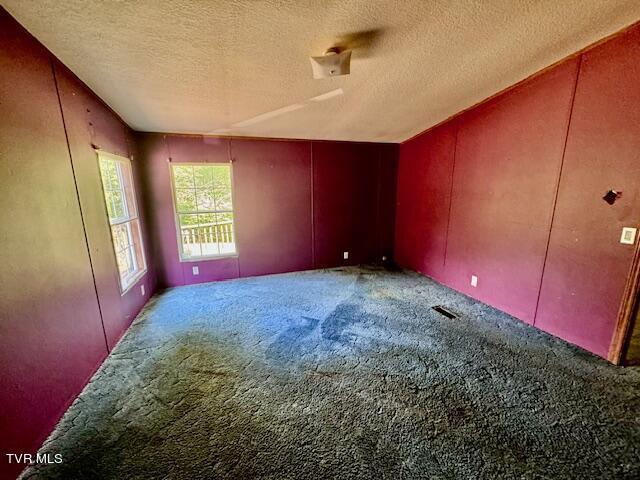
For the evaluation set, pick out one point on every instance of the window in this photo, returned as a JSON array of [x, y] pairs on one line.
[[120, 199], [204, 210]]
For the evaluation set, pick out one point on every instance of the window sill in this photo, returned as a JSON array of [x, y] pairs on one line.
[[135, 279], [207, 258]]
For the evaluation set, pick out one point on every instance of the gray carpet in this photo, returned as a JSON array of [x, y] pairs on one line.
[[343, 374]]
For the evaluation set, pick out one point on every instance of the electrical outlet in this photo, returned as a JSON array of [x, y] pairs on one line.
[[142, 290], [474, 281], [195, 270], [628, 236], [345, 255]]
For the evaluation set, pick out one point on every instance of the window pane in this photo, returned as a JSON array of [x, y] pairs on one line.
[[108, 200], [203, 176], [130, 248], [130, 210], [222, 187], [205, 199], [114, 180], [183, 176], [104, 173], [208, 234], [122, 247], [109, 174], [124, 264], [185, 200], [226, 236], [136, 243], [223, 198], [120, 237], [116, 200], [189, 236]]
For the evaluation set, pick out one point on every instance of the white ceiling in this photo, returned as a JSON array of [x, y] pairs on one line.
[[204, 66]]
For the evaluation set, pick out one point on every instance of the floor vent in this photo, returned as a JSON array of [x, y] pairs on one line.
[[444, 311]]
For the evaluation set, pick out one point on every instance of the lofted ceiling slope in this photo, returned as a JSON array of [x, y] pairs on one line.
[[240, 67]]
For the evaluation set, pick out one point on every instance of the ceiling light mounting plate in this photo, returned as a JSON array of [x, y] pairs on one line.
[[333, 63]]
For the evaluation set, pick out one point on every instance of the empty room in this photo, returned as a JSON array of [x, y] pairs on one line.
[[296, 239]]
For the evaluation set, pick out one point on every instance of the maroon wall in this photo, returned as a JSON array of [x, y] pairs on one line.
[[272, 197], [503, 163], [298, 204], [587, 266], [54, 239], [350, 181], [89, 123], [425, 171], [507, 161]]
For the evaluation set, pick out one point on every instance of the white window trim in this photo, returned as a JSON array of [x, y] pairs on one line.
[[133, 279], [176, 215]]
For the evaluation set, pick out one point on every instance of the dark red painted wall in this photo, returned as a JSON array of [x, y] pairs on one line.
[[89, 123], [587, 266], [425, 171], [349, 181], [508, 161], [273, 203], [51, 331], [298, 204], [386, 200]]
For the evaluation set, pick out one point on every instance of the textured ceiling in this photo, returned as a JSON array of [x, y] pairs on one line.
[[240, 67]]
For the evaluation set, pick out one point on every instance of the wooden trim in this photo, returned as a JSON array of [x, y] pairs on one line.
[[626, 313], [527, 79]]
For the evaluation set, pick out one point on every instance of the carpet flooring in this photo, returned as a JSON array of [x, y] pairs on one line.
[[343, 374]]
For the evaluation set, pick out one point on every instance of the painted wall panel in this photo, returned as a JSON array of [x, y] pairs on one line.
[[344, 192], [272, 197], [504, 214], [51, 337], [425, 173], [90, 123], [507, 162], [210, 270], [133, 301], [197, 148], [386, 205], [156, 181], [587, 266]]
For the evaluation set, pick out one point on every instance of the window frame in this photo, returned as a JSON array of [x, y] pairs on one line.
[[176, 215], [131, 279]]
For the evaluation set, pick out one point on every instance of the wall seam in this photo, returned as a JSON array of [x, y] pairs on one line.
[[453, 170], [378, 236], [75, 183], [313, 232], [557, 189]]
